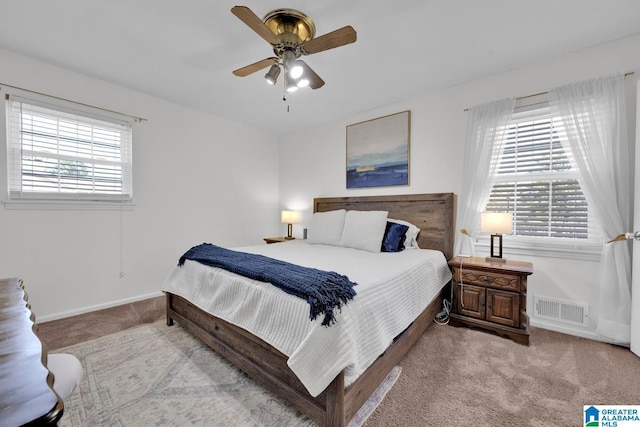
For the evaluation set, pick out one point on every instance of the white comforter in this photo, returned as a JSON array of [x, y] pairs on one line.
[[393, 289]]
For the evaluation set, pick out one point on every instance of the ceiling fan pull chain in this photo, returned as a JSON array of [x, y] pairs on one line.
[[284, 89]]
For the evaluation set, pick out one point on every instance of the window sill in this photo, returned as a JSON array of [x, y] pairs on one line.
[[582, 252], [70, 205]]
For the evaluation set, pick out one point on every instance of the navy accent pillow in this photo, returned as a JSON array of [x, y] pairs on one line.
[[394, 235]]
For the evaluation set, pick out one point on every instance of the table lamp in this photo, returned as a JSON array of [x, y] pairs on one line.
[[496, 223], [289, 218]]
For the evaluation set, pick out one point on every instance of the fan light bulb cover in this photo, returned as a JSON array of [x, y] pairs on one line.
[[292, 88], [295, 71], [302, 83], [272, 75]]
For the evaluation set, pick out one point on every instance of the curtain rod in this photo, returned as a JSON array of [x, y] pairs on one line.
[[627, 74], [139, 119]]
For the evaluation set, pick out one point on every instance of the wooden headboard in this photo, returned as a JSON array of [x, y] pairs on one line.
[[432, 213]]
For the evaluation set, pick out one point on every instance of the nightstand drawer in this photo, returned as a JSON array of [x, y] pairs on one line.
[[485, 278]]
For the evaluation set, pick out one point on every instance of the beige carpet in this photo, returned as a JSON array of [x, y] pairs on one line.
[[462, 377], [453, 376], [159, 375]]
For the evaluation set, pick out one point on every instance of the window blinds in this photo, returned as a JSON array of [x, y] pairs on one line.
[[59, 154], [537, 183]]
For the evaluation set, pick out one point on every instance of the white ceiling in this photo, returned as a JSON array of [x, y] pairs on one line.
[[184, 51]]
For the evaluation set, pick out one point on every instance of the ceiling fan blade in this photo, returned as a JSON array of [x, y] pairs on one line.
[[247, 16], [315, 82], [256, 66], [337, 38]]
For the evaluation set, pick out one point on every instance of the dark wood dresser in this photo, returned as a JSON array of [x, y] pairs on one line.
[[26, 385], [491, 295]]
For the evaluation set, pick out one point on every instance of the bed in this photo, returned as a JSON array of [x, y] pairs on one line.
[[345, 393]]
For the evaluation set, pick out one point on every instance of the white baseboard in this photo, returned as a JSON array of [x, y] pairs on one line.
[[62, 315], [565, 329]]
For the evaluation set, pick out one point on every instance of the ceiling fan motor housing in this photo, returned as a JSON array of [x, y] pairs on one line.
[[292, 27]]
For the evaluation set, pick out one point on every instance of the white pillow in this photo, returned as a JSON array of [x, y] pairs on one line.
[[364, 230], [326, 227], [411, 236]]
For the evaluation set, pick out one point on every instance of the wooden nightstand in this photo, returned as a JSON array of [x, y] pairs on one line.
[[491, 296], [278, 239]]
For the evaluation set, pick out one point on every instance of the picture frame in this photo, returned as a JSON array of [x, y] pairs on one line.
[[377, 151]]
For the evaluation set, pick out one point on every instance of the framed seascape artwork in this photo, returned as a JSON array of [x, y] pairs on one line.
[[378, 151]]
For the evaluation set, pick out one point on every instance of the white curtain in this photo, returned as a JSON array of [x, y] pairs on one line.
[[486, 130], [593, 116], [635, 263]]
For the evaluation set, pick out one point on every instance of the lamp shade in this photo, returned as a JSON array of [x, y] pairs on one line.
[[289, 217], [496, 222]]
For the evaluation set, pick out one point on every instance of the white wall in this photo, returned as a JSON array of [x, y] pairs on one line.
[[313, 160], [197, 178]]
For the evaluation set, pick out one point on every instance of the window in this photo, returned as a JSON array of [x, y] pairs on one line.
[[57, 153], [537, 183]]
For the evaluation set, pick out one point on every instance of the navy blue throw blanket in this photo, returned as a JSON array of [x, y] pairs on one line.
[[323, 290]]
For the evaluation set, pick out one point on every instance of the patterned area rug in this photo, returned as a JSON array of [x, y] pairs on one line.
[[159, 375]]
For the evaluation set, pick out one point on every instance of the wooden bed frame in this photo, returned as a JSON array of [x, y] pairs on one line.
[[336, 405]]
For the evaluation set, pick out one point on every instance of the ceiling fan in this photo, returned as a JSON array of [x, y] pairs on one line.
[[291, 33]]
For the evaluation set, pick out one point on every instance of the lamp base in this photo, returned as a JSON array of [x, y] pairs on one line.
[[289, 238], [495, 259], [496, 254]]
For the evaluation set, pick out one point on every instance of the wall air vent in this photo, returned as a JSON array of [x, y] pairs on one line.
[[574, 313]]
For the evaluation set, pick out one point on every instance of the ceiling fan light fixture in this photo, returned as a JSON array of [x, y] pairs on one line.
[[272, 75], [291, 34]]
